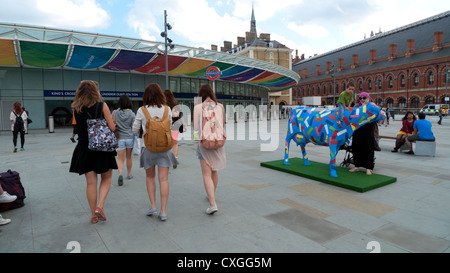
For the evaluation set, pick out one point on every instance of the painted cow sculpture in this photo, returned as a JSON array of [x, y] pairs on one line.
[[319, 126]]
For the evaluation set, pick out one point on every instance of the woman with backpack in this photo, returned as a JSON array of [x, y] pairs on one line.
[[155, 117], [209, 121], [88, 104], [18, 119]]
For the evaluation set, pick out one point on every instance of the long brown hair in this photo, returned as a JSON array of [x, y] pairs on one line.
[[18, 108], [207, 91], [170, 98], [153, 95], [87, 94]]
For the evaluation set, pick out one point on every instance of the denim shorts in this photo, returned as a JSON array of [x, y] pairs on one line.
[[125, 143]]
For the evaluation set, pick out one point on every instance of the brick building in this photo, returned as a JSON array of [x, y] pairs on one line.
[[402, 68]]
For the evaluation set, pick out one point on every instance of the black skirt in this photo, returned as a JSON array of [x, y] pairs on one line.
[[85, 160], [363, 146]]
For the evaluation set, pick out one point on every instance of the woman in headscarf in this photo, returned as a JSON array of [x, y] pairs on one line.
[[363, 147]]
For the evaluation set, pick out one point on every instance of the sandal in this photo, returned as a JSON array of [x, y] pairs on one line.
[[100, 214], [94, 219]]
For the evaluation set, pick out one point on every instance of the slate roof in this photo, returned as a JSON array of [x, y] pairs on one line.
[[422, 32]]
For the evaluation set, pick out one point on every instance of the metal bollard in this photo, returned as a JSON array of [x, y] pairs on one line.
[[51, 124]]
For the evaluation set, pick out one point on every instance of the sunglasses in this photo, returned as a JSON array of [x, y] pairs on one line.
[[363, 98]]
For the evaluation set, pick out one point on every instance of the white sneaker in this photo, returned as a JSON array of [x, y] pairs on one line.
[[4, 221], [7, 198], [211, 210]]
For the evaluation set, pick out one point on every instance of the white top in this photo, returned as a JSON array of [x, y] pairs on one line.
[[141, 120], [12, 117]]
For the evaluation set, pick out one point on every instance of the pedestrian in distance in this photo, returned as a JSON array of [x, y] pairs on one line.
[[154, 118], [74, 130], [178, 124], [440, 116], [209, 120], [422, 131], [344, 102], [88, 104], [18, 118], [124, 119]]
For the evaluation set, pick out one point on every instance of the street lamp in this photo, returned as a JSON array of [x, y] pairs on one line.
[[167, 43]]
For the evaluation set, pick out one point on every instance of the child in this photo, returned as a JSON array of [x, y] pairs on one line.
[[344, 101]]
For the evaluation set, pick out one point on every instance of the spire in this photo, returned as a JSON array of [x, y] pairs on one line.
[[253, 22]]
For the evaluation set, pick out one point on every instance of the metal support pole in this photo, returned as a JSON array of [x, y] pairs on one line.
[[165, 50]]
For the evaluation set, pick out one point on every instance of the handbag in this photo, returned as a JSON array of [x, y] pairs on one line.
[[101, 138]]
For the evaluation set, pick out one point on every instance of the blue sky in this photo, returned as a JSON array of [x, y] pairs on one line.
[[311, 27]]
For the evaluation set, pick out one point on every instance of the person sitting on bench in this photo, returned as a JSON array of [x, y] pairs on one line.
[[422, 131]]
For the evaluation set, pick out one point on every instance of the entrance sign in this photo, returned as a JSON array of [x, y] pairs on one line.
[[213, 73]]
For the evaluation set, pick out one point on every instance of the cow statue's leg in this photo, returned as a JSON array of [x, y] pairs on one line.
[[305, 156], [333, 154], [286, 149]]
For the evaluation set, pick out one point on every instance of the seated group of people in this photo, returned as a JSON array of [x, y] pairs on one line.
[[412, 130]]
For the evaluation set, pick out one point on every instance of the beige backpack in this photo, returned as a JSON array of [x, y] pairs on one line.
[[157, 135]]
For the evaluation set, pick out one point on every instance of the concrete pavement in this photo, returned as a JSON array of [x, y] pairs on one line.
[[260, 210]]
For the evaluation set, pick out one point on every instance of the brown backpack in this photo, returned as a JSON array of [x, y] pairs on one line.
[[157, 135]]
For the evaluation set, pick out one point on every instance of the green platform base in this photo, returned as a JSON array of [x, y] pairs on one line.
[[357, 181]]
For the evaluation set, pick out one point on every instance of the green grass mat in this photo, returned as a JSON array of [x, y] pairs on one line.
[[357, 181]]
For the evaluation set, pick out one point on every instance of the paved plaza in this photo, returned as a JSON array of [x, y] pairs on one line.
[[260, 210]]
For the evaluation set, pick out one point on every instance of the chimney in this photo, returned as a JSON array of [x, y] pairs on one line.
[[438, 40], [318, 69], [300, 73], [373, 56], [392, 52], [354, 60], [305, 72], [241, 41], [409, 47], [214, 47], [227, 45], [264, 36]]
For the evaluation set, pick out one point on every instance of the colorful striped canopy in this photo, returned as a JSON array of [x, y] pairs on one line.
[[94, 52]]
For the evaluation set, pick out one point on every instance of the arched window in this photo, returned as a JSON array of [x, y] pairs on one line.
[[330, 91], [370, 84], [324, 91], [390, 103], [391, 82], [429, 100], [360, 85], [402, 81], [416, 79], [430, 78], [415, 102], [402, 103]]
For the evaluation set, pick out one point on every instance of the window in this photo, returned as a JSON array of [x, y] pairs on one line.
[[324, 90], [416, 79], [402, 80], [402, 103], [415, 102], [391, 82], [379, 83], [370, 84], [429, 100], [430, 78], [360, 85]]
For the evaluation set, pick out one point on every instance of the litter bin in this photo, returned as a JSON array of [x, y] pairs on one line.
[[51, 124]]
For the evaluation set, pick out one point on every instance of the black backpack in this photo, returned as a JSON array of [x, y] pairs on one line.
[[18, 125]]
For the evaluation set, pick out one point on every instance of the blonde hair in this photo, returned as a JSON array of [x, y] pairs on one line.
[[87, 95]]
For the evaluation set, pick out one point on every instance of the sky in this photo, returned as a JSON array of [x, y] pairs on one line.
[[311, 27]]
